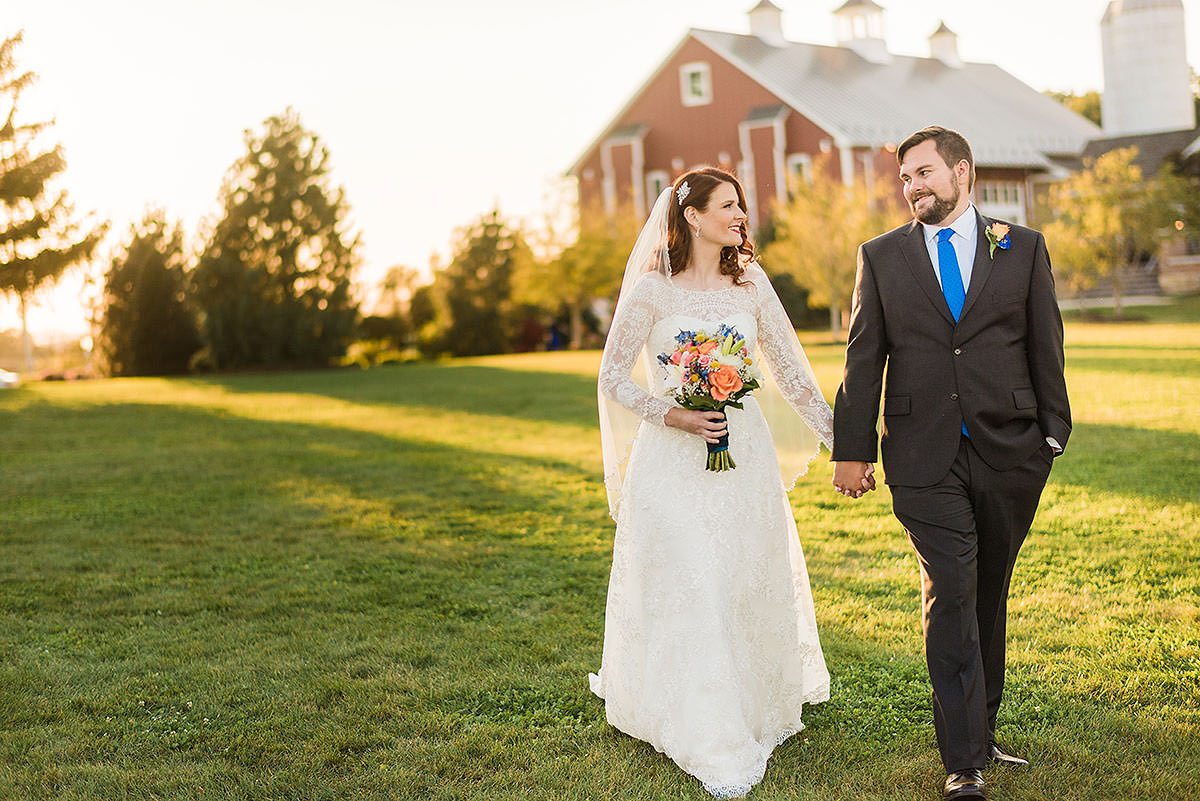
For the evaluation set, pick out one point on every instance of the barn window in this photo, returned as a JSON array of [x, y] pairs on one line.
[[656, 182], [695, 84]]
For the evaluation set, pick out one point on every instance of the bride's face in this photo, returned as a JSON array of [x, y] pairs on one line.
[[723, 221]]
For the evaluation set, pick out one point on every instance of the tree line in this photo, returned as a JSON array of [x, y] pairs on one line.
[[272, 282], [271, 285]]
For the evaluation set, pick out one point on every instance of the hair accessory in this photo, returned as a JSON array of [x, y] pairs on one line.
[[682, 192]]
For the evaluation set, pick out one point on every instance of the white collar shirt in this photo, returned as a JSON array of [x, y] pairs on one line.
[[966, 230]]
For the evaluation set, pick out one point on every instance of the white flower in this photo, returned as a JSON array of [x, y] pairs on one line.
[[674, 375], [734, 360]]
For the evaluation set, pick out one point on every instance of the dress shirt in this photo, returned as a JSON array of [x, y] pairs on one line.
[[966, 229]]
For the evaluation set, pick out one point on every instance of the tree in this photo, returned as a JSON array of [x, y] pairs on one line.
[[147, 327], [474, 291], [396, 290], [1085, 105], [38, 240], [579, 267], [819, 229], [274, 281], [392, 321], [1195, 91], [422, 311], [1103, 218]]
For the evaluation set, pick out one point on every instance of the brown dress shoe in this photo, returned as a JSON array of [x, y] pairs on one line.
[[998, 757], [964, 785]]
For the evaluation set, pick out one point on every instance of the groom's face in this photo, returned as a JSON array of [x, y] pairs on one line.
[[931, 187]]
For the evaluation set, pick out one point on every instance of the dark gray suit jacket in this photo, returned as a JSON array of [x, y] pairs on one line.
[[999, 369]]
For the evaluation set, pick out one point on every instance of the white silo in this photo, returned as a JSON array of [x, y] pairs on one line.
[[1147, 84]]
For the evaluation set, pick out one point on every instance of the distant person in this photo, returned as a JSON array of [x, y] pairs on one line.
[[961, 311], [531, 335], [710, 641], [557, 339]]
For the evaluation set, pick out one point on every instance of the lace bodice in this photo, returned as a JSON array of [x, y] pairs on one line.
[[657, 310]]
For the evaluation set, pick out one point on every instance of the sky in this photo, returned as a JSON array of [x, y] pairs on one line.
[[434, 111]]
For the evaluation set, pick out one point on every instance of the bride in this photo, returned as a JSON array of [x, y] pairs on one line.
[[710, 641]]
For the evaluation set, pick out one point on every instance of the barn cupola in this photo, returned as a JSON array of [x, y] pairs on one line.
[[859, 26], [766, 22], [943, 45]]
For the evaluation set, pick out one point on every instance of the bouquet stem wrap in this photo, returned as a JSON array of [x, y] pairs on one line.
[[718, 452]]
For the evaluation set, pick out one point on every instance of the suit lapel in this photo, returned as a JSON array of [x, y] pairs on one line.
[[983, 264], [917, 257]]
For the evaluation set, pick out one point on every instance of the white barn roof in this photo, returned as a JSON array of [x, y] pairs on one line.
[[865, 104]]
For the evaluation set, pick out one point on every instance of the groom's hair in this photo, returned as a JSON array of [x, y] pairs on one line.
[[951, 146]]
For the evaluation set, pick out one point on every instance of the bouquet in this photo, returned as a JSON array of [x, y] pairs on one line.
[[709, 373]]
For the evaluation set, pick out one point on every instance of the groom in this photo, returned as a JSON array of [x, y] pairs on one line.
[[961, 310]]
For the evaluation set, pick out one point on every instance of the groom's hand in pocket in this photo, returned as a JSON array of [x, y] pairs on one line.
[[853, 479]]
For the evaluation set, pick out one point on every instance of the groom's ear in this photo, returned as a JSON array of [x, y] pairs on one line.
[[962, 171]]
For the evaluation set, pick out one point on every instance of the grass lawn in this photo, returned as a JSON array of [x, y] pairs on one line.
[[390, 584]]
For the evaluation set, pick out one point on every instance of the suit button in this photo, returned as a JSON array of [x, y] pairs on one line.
[[953, 396], [958, 351]]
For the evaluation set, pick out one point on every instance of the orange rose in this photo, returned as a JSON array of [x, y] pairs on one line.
[[724, 381], [1000, 230], [708, 347]]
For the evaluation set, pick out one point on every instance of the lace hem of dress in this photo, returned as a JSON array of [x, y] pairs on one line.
[[788, 486], [743, 788], [740, 789]]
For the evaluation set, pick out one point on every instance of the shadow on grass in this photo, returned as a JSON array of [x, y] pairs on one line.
[[143, 492], [1158, 465], [549, 396], [301, 584], [333, 600], [1185, 309], [1133, 366], [1189, 349]]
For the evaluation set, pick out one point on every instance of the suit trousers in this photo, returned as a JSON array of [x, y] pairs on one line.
[[966, 530]]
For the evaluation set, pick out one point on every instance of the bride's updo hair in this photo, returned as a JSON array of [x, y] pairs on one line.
[[701, 184]]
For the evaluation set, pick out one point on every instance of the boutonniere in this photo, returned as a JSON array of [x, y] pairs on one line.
[[997, 236]]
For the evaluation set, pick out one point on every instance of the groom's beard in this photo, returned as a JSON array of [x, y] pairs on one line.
[[938, 210]]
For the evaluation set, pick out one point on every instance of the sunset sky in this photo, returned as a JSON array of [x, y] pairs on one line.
[[434, 111]]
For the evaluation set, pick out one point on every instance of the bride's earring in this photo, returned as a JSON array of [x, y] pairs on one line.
[[696, 231]]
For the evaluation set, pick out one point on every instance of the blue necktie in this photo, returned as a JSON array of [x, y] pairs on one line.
[[952, 285]]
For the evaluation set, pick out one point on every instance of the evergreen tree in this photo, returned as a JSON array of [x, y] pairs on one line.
[[475, 289], [147, 327], [274, 281], [38, 240]]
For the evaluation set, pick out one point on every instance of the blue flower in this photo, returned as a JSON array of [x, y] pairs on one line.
[[997, 237]]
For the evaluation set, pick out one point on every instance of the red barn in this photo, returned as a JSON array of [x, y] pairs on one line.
[[765, 107]]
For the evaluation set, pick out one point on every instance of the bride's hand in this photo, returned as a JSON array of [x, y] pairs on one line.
[[708, 425]]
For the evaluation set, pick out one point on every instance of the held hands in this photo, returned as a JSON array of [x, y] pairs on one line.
[[853, 479], [708, 425]]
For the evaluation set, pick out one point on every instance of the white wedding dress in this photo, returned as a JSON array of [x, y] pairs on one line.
[[710, 641]]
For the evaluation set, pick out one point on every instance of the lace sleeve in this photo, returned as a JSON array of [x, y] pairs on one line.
[[789, 365], [626, 338]]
